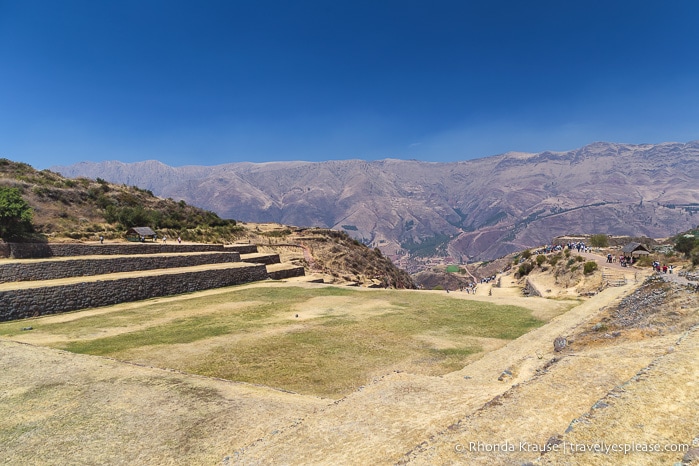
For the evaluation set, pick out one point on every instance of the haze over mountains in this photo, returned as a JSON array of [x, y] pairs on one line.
[[470, 210]]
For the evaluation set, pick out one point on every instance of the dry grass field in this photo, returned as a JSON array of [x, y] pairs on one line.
[[323, 341], [293, 373]]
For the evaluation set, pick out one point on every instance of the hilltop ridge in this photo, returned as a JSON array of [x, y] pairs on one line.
[[469, 210]]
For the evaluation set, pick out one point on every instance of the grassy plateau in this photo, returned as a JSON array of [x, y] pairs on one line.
[[324, 341]]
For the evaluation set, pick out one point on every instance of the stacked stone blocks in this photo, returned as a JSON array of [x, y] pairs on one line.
[[150, 273]]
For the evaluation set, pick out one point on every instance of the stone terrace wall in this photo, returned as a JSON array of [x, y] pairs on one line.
[[20, 304], [243, 248], [287, 273], [43, 250], [262, 259], [52, 270]]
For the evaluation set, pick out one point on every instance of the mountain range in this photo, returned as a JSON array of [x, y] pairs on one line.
[[469, 210]]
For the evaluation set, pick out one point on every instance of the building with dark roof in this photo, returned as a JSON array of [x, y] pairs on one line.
[[636, 249], [141, 234]]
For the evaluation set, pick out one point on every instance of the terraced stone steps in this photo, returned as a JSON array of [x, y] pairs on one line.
[[66, 267], [613, 279], [245, 248], [33, 298], [260, 258], [45, 250], [64, 282], [282, 271]]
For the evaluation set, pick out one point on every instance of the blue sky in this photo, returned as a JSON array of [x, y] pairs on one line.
[[211, 82]]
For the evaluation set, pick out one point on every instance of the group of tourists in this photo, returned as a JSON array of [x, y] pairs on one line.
[[179, 240], [579, 246], [548, 249], [470, 288], [662, 268], [624, 261]]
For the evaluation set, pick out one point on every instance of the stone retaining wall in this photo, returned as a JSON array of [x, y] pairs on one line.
[[52, 270], [287, 273], [262, 259], [20, 304], [530, 289], [242, 248], [43, 250]]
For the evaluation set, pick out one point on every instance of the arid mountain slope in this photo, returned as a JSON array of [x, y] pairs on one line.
[[476, 209], [85, 209]]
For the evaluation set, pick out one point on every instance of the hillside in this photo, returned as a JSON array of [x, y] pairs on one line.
[[328, 254], [84, 209], [472, 210]]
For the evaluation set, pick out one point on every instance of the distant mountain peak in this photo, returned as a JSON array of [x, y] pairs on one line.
[[473, 209]]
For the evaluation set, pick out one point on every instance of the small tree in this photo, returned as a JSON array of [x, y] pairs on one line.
[[694, 255], [685, 244], [599, 241], [15, 213]]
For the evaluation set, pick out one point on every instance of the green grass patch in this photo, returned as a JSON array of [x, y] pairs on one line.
[[451, 359], [452, 268], [326, 360], [176, 332]]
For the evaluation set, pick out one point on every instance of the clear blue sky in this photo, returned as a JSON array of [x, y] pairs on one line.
[[208, 82]]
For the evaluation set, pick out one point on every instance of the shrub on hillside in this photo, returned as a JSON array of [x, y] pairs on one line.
[[525, 269], [553, 260], [644, 261], [694, 255], [589, 267], [277, 233]]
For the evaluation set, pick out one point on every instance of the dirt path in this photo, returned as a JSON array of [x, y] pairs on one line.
[[602, 261], [465, 267]]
